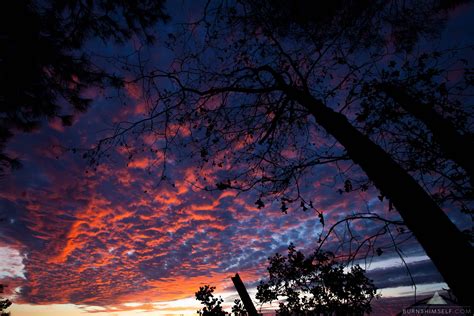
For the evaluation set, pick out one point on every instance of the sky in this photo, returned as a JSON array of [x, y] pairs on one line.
[[111, 241]]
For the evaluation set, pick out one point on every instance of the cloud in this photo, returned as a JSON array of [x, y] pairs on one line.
[[113, 236], [422, 272], [11, 263]]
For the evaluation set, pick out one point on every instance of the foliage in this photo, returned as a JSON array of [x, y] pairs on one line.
[[45, 67], [317, 284], [361, 24], [416, 91], [238, 308], [4, 303], [212, 305]]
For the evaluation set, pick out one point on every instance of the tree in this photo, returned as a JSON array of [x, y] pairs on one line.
[[316, 284], [267, 105], [238, 308], [418, 95], [45, 68], [4, 304], [212, 305]]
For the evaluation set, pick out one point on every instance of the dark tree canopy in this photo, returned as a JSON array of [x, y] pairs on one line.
[[266, 106], [44, 69], [315, 284], [419, 96], [238, 308], [4, 303], [360, 24], [212, 305]]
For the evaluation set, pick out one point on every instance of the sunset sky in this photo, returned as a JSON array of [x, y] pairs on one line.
[[111, 241]]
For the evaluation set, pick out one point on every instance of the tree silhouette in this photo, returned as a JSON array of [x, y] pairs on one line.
[[238, 308], [44, 68], [357, 23], [212, 305], [267, 105], [315, 285], [4, 304], [418, 95]]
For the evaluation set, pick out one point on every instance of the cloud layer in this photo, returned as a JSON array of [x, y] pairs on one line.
[[105, 237]]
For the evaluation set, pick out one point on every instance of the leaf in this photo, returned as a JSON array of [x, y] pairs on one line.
[[304, 206], [347, 186], [223, 185], [321, 218], [284, 208], [260, 204]]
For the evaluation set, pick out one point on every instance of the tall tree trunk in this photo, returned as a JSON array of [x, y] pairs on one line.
[[442, 241], [455, 145]]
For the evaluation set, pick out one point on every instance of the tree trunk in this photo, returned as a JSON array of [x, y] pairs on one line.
[[442, 241], [244, 295], [455, 145]]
